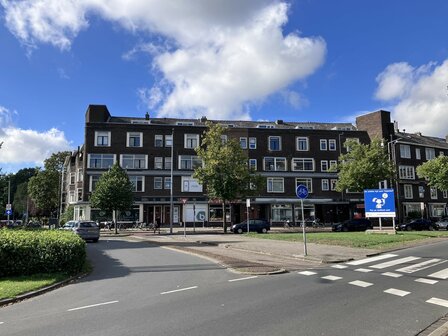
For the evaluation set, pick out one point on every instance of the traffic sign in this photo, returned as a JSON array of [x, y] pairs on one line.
[[8, 212], [8, 207], [184, 200], [301, 191], [379, 202]]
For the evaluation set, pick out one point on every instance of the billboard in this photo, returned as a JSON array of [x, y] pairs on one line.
[[379, 202]]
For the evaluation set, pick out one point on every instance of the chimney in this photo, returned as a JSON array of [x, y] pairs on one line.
[[396, 130], [203, 119], [147, 115]]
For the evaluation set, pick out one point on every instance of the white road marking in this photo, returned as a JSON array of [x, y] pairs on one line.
[[331, 277], [94, 305], [339, 266], [439, 302], [363, 270], [240, 279], [371, 259], [443, 274], [307, 273], [394, 262], [426, 281], [392, 274], [179, 290], [2, 322], [360, 283], [397, 292], [421, 266]]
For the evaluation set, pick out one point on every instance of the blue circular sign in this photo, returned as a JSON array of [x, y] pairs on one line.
[[9, 212], [302, 191]]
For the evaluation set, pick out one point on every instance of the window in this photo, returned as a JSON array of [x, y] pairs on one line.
[[441, 153], [433, 192], [406, 172], [265, 126], [93, 181], [243, 143], [129, 161], [302, 144], [134, 139], [168, 163], [323, 144], [158, 162], [79, 192], [418, 155], [168, 140], [408, 191], [445, 193], [191, 140], [325, 185], [158, 182], [72, 178], [189, 162], [137, 183], [421, 191], [184, 123], [252, 143], [274, 164], [71, 196], [167, 183], [324, 166], [275, 143], [190, 184], [354, 139], [430, 153], [333, 184], [158, 140], [102, 161], [223, 138], [253, 164], [79, 176], [405, 151], [307, 182], [102, 139], [300, 164], [275, 185], [333, 165], [332, 144]]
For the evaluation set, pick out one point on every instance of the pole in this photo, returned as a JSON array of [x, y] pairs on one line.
[[9, 195], [194, 217], [171, 184], [303, 230], [248, 207], [381, 227]]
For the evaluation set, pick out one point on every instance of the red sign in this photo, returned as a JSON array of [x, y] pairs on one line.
[[184, 200]]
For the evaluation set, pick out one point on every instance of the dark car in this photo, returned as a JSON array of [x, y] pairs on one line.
[[255, 225], [356, 224], [442, 224], [419, 225], [87, 230]]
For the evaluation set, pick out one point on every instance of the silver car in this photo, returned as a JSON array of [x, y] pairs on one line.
[[442, 224], [87, 230]]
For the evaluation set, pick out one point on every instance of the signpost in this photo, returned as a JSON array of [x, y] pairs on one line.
[[380, 203], [248, 207], [184, 201], [302, 192]]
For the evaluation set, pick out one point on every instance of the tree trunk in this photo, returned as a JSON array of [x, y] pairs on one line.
[[224, 223], [114, 220]]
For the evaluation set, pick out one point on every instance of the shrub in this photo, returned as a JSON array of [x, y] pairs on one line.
[[25, 252]]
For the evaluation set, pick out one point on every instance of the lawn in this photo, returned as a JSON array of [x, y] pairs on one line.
[[12, 286], [357, 239]]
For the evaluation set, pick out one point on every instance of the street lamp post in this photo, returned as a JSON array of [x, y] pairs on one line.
[[9, 195], [171, 184]]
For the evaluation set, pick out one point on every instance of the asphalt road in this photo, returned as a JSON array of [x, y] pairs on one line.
[[141, 289]]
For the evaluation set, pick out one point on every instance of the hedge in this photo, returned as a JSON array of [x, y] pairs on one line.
[[25, 252]]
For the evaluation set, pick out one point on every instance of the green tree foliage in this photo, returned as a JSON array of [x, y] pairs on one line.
[[225, 172], [21, 198], [363, 166], [435, 171], [113, 192], [67, 215]]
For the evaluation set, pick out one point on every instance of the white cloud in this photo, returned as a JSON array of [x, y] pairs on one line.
[[213, 57], [37, 145], [420, 101]]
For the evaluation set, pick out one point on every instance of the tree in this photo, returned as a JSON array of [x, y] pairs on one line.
[[67, 215], [363, 166], [21, 198], [435, 171], [225, 172], [113, 192]]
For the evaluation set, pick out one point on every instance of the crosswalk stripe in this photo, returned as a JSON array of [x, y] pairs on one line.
[[392, 274], [426, 281], [360, 283], [437, 301], [397, 292], [307, 273], [371, 259], [394, 262], [443, 274], [421, 266], [331, 277], [339, 266], [363, 270]]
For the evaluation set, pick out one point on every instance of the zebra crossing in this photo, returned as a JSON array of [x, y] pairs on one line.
[[423, 270]]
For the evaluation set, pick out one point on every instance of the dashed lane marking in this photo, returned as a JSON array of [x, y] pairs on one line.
[[397, 292], [307, 273], [360, 283], [241, 279], [426, 281], [363, 270], [179, 290], [372, 259], [94, 305], [2, 322], [443, 274], [331, 277], [394, 262], [437, 301], [392, 274], [339, 266], [421, 266]]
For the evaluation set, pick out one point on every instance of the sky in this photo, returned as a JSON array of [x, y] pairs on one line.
[[297, 60]]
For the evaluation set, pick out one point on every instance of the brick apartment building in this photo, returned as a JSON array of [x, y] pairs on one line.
[[285, 153]]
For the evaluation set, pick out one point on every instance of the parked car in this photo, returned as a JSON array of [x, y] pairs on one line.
[[418, 224], [87, 230], [442, 224], [255, 225], [356, 224]]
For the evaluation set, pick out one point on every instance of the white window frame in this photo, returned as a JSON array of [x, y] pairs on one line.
[[333, 164], [324, 166], [193, 159], [430, 153], [418, 154], [243, 142], [158, 162], [79, 194], [103, 135], [333, 184], [332, 144], [168, 140], [405, 151], [158, 140], [135, 158], [278, 181], [167, 182], [325, 184], [253, 163], [79, 175], [191, 141], [252, 143], [190, 184], [433, 192], [323, 144], [92, 182], [408, 193], [71, 196], [276, 161], [72, 178], [275, 137], [307, 182], [167, 163], [130, 135], [135, 183], [445, 193], [158, 183], [303, 160], [305, 140], [100, 159], [406, 172]]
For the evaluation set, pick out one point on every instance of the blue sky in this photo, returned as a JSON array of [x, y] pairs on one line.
[[298, 60]]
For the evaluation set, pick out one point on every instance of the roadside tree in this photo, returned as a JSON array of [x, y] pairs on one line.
[[435, 171]]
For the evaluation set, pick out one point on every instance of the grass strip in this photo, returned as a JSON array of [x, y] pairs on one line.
[[13, 286]]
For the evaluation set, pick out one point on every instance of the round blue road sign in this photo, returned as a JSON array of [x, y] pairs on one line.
[[9, 212], [302, 191]]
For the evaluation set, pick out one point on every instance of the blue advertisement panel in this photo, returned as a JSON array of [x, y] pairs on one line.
[[379, 202]]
